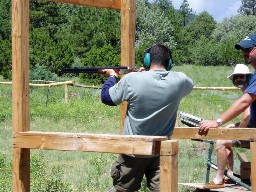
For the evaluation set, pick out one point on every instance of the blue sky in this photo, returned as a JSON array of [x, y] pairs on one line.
[[219, 9]]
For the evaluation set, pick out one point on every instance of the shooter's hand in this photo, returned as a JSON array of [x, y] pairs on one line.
[[205, 125], [142, 69], [110, 72]]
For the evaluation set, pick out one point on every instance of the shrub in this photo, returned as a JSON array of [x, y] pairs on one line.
[[42, 179], [40, 72], [6, 173]]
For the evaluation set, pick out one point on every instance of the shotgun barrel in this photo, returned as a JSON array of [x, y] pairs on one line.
[[122, 69]]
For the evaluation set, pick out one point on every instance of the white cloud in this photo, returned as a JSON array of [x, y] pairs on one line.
[[230, 11], [219, 9], [197, 5]]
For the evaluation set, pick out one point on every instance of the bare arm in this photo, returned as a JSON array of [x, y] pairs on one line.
[[245, 118], [233, 111]]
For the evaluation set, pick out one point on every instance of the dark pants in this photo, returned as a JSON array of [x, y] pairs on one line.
[[127, 173]]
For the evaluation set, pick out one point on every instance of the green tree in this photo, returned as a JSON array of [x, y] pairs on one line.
[[6, 58], [5, 39], [45, 14], [40, 72], [230, 32], [176, 21], [227, 54], [203, 52], [89, 27], [211, 53], [62, 34], [104, 56], [172, 14], [235, 28], [201, 27], [164, 5], [46, 47], [155, 27], [185, 12], [5, 19], [248, 7]]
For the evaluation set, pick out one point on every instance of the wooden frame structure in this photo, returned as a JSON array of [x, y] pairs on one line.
[[24, 139]]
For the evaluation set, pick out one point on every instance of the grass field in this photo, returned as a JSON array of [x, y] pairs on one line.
[[81, 172]]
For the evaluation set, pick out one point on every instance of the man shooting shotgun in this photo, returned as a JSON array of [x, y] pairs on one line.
[[118, 69], [153, 98]]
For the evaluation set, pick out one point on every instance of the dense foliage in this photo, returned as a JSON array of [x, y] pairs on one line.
[[248, 7], [70, 35]]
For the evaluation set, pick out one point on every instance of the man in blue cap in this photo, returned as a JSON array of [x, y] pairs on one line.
[[247, 46], [247, 43]]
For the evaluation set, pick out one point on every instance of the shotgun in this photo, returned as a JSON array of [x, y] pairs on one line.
[[121, 69]]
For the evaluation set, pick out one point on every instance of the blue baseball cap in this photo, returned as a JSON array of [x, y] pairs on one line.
[[247, 42]]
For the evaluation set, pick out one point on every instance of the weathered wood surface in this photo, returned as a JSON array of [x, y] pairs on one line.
[[128, 23], [217, 88], [227, 188], [112, 4], [169, 166], [86, 86], [215, 133], [137, 145], [253, 165], [52, 84], [20, 91], [45, 84], [7, 83]]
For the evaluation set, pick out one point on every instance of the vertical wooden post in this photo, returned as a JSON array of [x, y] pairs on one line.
[[20, 91], [253, 165], [66, 92], [169, 166], [128, 21]]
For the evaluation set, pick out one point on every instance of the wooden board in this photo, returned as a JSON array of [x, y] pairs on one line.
[[127, 144], [227, 188], [215, 133], [112, 4], [20, 91]]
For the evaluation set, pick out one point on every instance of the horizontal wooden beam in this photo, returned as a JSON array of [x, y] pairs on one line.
[[215, 133], [72, 83], [137, 145], [217, 88], [52, 84], [112, 4]]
